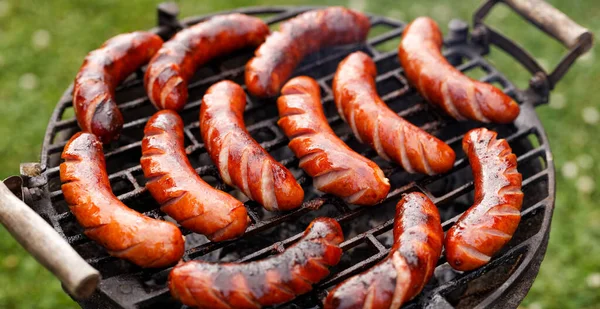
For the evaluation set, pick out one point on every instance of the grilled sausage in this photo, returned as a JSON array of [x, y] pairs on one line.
[[445, 86], [102, 70], [176, 62], [125, 233], [242, 162], [179, 190], [404, 272], [276, 59], [336, 168], [491, 222], [274, 280], [375, 124]]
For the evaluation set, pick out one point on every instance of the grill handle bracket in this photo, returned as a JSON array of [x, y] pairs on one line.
[[168, 24], [550, 20], [44, 243]]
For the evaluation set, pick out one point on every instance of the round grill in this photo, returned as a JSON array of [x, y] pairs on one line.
[[502, 283]]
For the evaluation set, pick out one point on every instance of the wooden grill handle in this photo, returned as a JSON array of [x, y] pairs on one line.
[[554, 22], [46, 245]]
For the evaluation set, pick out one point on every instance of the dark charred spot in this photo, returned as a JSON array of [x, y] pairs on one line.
[[107, 121]]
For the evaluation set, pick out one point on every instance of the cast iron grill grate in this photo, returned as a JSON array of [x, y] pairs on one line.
[[367, 230]]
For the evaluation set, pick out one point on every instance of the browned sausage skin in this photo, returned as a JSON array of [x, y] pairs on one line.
[[242, 162], [375, 124], [102, 70], [124, 232], [336, 168], [492, 220], [179, 190], [274, 280], [276, 59], [176, 62], [443, 85], [404, 272]]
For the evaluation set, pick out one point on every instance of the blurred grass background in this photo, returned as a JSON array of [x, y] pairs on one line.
[[42, 44]]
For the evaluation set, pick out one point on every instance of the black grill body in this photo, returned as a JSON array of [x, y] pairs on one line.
[[502, 283]]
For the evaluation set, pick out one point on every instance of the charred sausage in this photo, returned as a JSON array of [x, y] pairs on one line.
[[124, 232], [102, 70], [443, 85], [242, 162], [179, 190], [491, 222], [278, 56], [404, 272], [375, 124], [176, 62], [270, 281], [336, 168]]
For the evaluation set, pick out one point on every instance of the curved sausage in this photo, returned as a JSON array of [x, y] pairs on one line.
[[274, 280], [168, 73], [443, 85], [102, 70], [492, 220], [275, 60], [124, 233], [404, 272], [336, 168], [179, 190], [375, 124], [242, 162]]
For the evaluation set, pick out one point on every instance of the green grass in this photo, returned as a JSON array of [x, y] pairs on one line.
[[569, 274]]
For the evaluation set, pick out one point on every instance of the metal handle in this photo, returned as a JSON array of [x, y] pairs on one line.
[[550, 20], [46, 245], [554, 22]]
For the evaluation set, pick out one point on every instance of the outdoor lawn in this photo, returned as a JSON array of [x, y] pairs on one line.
[[42, 45]]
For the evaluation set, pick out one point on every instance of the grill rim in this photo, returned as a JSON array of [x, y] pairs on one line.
[[527, 106]]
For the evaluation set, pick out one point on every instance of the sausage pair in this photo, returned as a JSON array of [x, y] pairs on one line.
[[242, 162], [168, 72], [479, 233], [335, 168], [179, 190], [124, 232]]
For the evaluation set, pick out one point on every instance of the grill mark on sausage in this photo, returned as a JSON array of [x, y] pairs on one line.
[[377, 140], [404, 160], [424, 159]]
